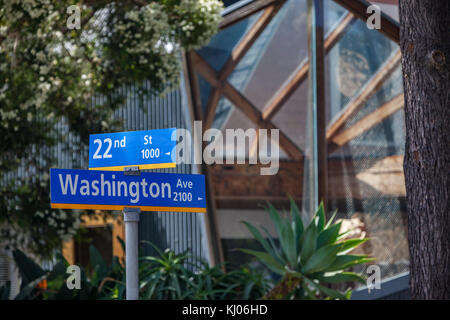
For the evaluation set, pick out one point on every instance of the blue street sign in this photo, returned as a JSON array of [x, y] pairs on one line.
[[148, 149], [113, 190]]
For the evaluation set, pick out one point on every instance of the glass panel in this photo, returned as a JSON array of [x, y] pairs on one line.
[[218, 51], [292, 117], [223, 112], [274, 56], [366, 186], [205, 90], [392, 87], [352, 62], [365, 175], [389, 7], [383, 140], [332, 14], [230, 117]]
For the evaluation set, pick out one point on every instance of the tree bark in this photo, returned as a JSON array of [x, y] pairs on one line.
[[425, 46]]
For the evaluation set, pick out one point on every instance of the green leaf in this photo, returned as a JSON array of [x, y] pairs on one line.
[[342, 277], [98, 263], [327, 291], [29, 270], [265, 258], [297, 219], [320, 214], [346, 261], [331, 219], [59, 270], [310, 294], [28, 290], [328, 235], [332, 293], [276, 219], [154, 247], [348, 294], [60, 258], [273, 245], [257, 235], [247, 290], [350, 244], [308, 243], [321, 259], [288, 244]]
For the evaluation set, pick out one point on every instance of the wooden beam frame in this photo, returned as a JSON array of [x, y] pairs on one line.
[[249, 38], [192, 87], [241, 102], [244, 12], [255, 116], [300, 74], [365, 94], [337, 33], [196, 113], [239, 186], [286, 90], [369, 121], [237, 54], [389, 27], [211, 106]]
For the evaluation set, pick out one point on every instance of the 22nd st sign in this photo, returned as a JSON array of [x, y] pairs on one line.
[[147, 149]]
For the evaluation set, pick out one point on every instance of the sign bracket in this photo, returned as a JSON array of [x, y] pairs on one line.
[[132, 171]]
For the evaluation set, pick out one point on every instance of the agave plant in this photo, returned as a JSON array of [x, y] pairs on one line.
[[307, 259]]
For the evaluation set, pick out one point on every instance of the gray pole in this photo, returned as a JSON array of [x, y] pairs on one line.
[[131, 219]]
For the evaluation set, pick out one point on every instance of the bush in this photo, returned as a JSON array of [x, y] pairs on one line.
[[166, 276], [307, 260]]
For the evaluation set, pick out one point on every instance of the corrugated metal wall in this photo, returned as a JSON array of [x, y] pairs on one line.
[[178, 231]]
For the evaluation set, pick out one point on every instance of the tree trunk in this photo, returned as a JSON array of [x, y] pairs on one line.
[[425, 46]]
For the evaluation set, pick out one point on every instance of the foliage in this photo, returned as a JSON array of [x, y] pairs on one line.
[[173, 276], [49, 73], [40, 232], [307, 259], [103, 282], [167, 276]]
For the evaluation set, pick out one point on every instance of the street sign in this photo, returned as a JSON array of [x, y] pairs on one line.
[[114, 190], [147, 149]]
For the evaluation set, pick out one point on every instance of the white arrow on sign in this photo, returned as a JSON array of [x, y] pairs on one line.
[[200, 198], [168, 153]]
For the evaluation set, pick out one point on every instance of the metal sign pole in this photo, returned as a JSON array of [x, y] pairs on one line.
[[131, 219]]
